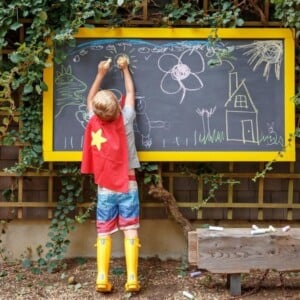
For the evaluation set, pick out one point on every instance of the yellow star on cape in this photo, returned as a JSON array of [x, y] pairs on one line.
[[98, 139]]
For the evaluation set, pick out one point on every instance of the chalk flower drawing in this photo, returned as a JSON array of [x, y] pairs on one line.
[[181, 73]]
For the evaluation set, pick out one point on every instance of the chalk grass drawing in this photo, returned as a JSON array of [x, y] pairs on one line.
[[269, 53], [145, 123], [241, 115], [180, 76], [69, 90]]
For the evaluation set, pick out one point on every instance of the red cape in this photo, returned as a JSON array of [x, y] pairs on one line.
[[105, 153]]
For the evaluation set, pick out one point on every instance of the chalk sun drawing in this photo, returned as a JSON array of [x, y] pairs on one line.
[[265, 52], [181, 73]]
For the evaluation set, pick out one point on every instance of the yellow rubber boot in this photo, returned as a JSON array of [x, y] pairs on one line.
[[132, 246], [103, 258]]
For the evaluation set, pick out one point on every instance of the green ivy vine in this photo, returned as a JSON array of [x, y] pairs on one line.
[[22, 85], [63, 221]]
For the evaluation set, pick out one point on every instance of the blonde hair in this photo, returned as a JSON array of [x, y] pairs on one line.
[[105, 105]]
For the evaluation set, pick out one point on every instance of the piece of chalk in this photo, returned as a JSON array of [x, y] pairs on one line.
[[286, 228], [195, 274], [271, 228], [259, 231], [254, 227], [218, 228], [188, 295], [107, 62]]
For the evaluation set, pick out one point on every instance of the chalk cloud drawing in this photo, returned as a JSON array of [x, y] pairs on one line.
[[269, 53], [241, 115], [69, 90], [145, 123], [180, 76]]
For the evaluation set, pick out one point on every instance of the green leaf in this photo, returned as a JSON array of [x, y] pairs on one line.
[[15, 57], [3, 273], [44, 86], [226, 6], [36, 271], [2, 129], [26, 263], [8, 140], [240, 22], [28, 88], [43, 16], [5, 121], [15, 26], [147, 180]]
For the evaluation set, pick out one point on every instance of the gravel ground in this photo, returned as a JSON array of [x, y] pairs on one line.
[[160, 280]]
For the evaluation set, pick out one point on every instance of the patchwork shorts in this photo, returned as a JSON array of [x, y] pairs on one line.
[[117, 210]]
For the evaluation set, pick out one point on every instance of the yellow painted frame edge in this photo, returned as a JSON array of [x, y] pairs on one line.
[[241, 33]]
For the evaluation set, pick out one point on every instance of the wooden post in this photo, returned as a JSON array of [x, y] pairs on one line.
[[235, 284]]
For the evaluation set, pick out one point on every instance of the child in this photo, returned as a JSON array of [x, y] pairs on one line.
[[109, 154]]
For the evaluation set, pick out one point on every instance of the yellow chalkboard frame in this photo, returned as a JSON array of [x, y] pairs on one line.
[[288, 154]]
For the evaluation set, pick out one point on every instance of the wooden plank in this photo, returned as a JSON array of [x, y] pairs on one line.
[[230, 194], [192, 247], [290, 192], [235, 250]]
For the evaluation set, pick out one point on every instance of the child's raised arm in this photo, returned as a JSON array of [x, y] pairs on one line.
[[103, 68], [129, 85]]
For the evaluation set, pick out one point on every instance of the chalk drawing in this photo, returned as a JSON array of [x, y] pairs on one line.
[[269, 53], [179, 76], [69, 90], [241, 114], [143, 124]]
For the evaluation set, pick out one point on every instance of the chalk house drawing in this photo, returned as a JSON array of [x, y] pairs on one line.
[[69, 90], [241, 115], [268, 52], [179, 75], [145, 123]]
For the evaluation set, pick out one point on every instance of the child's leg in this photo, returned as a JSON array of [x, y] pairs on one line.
[[129, 222], [131, 246], [106, 224], [103, 259]]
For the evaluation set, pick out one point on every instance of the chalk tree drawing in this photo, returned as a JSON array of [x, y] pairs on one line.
[[69, 90], [179, 72], [205, 116], [241, 115], [145, 123], [268, 52]]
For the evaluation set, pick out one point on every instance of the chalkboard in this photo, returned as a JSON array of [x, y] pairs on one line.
[[240, 109]]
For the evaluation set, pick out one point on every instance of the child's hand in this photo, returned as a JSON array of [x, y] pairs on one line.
[[122, 62], [104, 66]]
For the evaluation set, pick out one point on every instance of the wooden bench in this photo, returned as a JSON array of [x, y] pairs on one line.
[[235, 250]]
